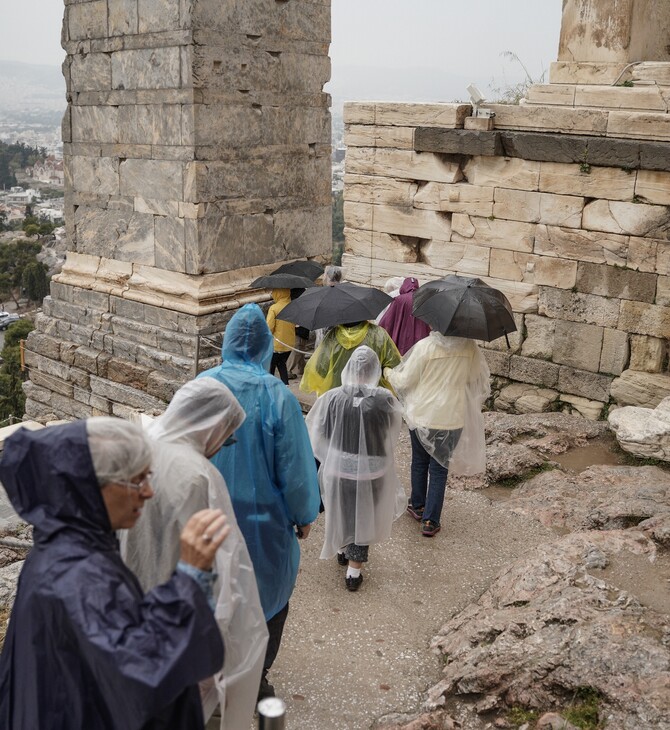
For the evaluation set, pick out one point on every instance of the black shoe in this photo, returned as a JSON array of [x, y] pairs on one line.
[[353, 584], [341, 559], [265, 690]]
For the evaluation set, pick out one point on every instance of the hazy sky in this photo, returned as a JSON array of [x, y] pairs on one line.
[[460, 36]]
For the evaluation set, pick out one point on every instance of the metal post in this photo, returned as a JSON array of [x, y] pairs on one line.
[[271, 714], [196, 356]]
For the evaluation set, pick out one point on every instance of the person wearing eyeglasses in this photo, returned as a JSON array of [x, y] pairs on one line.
[[201, 419], [86, 647]]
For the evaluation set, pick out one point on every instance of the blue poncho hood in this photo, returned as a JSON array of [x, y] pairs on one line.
[[247, 338]]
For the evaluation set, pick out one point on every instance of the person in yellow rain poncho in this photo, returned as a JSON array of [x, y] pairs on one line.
[[283, 333], [323, 370]]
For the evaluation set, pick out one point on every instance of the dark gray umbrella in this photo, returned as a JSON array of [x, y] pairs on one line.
[[464, 307], [309, 269], [281, 281], [326, 306]]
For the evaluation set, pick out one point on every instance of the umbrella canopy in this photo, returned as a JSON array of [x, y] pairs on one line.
[[464, 307], [309, 269], [281, 281], [327, 306]]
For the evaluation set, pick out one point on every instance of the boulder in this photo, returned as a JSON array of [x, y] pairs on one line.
[[548, 633], [643, 432]]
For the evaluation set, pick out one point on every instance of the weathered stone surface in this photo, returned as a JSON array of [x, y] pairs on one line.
[[640, 125], [647, 353], [539, 340], [425, 721], [612, 281], [383, 190], [86, 20], [457, 198], [503, 172], [580, 245], [383, 246], [126, 236], [615, 353], [663, 291], [402, 164], [542, 628], [531, 207], [510, 235], [643, 432], [360, 135], [523, 398], [457, 257], [645, 319], [574, 404], [585, 384], [398, 221], [653, 187], [575, 307], [549, 118], [578, 345], [421, 115], [498, 362], [646, 390], [636, 219], [458, 142], [597, 182], [537, 372]]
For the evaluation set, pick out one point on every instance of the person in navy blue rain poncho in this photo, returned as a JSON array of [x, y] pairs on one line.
[[270, 470], [86, 649]]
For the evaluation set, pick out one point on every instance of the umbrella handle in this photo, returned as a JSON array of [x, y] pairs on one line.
[[507, 340]]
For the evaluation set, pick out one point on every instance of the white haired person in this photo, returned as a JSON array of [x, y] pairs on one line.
[[442, 383], [332, 276], [86, 647], [353, 430], [200, 419]]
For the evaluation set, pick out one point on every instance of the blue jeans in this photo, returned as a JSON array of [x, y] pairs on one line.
[[425, 493]]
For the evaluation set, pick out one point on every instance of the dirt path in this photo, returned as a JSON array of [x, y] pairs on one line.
[[348, 658]]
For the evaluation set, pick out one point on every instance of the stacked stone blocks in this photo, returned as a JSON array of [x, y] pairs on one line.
[[581, 250]]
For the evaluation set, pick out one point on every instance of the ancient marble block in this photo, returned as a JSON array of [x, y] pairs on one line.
[[532, 207], [159, 179], [635, 219], [358, 135], [86, 20], [634, 388], [456, 198], [399, 221], [383, 246], [127, 237], [403, 164], [595, 246], [640, 125], [510, 235], [585, 384], [498, 362], [539, 340], [645, 319], [100, 174], [503, 172], [95, 124], [530, 370], [122, 17], [663, 291], [381, 190], [589, 182], [615, 353], [359, 112], [575, 307], [463, 258], [620, 97], [647, 353], [550, 118], [421, 115], [578, 345], [558, 94], [653, 186], [613, 281], [92, 72], [570, 72], [151, 68]]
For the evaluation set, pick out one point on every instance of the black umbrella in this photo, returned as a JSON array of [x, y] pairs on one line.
[[327, 306], [309, 269], [281, 281], [464, 307]]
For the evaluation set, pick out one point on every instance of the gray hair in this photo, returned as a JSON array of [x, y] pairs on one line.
[[119, 449], [332, 274]]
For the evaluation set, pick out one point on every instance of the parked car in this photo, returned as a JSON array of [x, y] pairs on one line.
[[9, 319]]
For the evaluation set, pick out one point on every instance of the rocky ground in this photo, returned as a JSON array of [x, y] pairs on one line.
[[543, 603]]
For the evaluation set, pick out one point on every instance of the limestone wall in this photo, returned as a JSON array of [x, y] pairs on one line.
[[197, 156], [565, 208]]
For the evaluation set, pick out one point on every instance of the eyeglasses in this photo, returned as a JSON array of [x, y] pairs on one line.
[[144, 482]]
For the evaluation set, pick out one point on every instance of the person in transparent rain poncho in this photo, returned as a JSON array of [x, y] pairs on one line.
[[353, 430], [200, 419], [442, 383]]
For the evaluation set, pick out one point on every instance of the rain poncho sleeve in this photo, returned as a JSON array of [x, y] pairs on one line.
[[270, 470], [85, 648], [442, 384], [354, 429], [323, 370], [201, 416], [282, 331]]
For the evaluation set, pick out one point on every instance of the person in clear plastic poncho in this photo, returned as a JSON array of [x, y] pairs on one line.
[[354, 429], [442, 384], [201, 417], [323, 370], [270, 470]]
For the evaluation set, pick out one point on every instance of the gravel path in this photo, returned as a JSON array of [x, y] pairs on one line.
[[348, 658]]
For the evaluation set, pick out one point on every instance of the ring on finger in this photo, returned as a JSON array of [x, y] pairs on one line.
[[206, 537]]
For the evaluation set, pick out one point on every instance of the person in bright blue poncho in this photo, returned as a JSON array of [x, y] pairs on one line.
[[269, 469]]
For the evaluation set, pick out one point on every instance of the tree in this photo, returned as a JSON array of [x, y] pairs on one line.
[[35, 282], [32, 229], [12, 397], [14, 257]]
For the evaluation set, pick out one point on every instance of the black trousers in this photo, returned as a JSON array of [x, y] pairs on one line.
[[278, 362], [275, 629]]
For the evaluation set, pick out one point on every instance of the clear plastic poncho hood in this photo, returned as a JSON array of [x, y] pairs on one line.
[[353, 430], [200, 417]]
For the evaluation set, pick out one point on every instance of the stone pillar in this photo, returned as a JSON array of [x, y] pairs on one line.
[[197, 155], [615, 31]]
